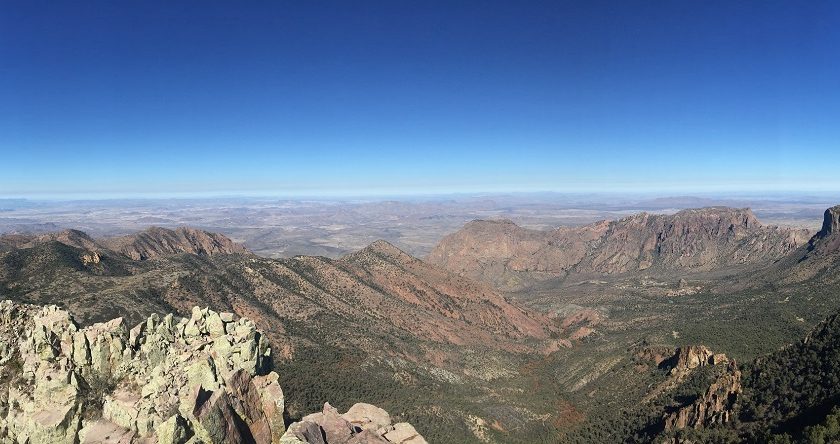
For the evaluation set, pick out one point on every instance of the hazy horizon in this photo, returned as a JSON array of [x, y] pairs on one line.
[[757, 194]]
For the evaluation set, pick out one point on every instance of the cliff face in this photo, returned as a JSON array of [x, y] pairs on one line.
[[818, 260], [715, 406], [512, 257], [206, 378], [827, 240]]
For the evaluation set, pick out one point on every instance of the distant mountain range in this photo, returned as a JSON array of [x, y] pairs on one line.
[[691, 241], [456, 345], [148, 244]]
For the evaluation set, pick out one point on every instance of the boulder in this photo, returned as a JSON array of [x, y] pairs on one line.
[[404, 433], [362, 424], [367, 416]]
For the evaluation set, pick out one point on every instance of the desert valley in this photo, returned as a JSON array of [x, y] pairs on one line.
[[397, 222], [696, 325]]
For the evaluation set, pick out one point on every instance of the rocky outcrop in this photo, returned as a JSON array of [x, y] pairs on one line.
[[692, 356], [715, 406], [90, 258], [362, 424], [831, 222], [512, 257], [202, 379], [817, 261], [205, 378], [156, 241], [827, 240]]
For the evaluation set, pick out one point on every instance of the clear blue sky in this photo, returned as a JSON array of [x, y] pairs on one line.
[[113, 97]]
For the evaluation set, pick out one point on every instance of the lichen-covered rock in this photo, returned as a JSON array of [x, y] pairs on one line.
[[206, 378], [361, 424]]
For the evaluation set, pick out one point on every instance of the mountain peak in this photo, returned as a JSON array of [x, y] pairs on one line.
[[831, 222], [384, 249]]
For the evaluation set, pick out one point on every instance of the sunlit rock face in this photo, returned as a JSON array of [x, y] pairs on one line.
[[205, 378], [202, 379]]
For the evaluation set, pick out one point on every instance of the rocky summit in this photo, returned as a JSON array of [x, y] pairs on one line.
[[206, 378]]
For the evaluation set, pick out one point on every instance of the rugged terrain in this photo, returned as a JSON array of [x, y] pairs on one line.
[[203, 379], [272, 227], [691, 241], [610, 340], [376, 324]]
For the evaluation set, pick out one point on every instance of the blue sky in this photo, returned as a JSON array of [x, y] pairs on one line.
[[178, 97]]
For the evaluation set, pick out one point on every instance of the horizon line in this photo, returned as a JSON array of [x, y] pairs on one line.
[[332, 195]]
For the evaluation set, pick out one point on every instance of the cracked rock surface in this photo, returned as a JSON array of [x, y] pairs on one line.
[[205, 378]]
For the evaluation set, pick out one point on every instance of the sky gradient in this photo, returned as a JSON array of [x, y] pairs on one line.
[[104, 98]]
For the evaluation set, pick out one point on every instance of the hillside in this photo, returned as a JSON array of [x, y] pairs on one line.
[[790, 395], [691, 241], [818, 260], [155, 242], [377, 324], [148, 244], [465, 363]]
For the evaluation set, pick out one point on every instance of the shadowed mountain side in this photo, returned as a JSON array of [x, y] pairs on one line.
[[377, 325], [379, 288], [815, 263], [698, 240]]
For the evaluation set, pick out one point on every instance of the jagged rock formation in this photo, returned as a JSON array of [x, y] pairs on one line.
[[202, 379], [377, 315], [362, 424], [827, 241], [680, 365], [715, 406], [155, 241], [205, 378], [831, 222], [511, 257], [690, 357], [817, 261]]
